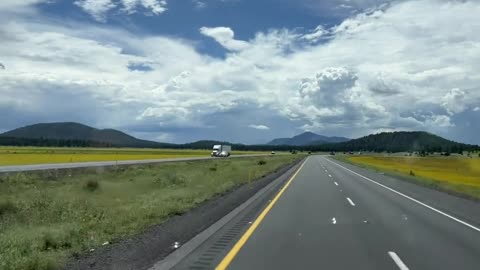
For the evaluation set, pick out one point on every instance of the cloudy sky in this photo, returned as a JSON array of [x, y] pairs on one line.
[[243, 70]]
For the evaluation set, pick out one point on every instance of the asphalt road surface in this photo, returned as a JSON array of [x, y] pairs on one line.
[[39, 167], [331, 215]]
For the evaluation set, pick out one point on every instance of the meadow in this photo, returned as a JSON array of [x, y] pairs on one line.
[[45, 155], [457, 174], [49, 216]]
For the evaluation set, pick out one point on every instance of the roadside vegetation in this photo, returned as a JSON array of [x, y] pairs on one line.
[[44, 155], [455, 174], [45, 217]]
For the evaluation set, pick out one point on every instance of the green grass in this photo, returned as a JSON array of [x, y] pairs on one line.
[[43, 155], [45, 217], [457, 175]]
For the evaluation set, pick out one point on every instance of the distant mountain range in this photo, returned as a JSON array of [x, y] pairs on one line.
[[75, 132], [78, 135], [307, 138]]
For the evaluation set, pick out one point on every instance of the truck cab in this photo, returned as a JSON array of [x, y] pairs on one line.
[[221, 150]]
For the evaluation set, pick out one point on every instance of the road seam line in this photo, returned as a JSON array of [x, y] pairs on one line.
[[397, 260], [350, 201], [412, 199], [241, 242]]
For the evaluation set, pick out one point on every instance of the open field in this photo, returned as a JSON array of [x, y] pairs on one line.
[[46, 155], [452, 174], [45, 217]]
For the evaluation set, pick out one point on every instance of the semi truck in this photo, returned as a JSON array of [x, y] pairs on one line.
[[221, 150]]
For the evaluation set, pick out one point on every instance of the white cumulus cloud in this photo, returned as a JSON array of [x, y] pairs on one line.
[[155, 6], [454, 101], [99, 9], [316, 34], [224, 36], [96, 8], [259, 127]]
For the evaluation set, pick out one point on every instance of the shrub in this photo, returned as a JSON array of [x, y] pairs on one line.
[[7, 207], [213, 169], [412, 173], [261, 162], [51, 241], [92, 185]]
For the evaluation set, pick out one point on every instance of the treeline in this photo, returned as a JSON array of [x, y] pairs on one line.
[[382, 142], [9, 141], [12, 141], [399, 142], [43, 142]]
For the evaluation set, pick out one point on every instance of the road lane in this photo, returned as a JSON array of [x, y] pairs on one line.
[[298, 233], [424, 238], [39, 167], [314, 225]]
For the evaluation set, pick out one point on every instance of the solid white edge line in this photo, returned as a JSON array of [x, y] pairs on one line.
[[397, 260], [410, 198], [350, 201]]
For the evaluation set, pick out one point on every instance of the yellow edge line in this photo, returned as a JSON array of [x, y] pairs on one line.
[[233, 252]]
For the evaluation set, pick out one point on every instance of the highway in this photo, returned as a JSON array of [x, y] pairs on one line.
[[71, 165], [331, 215]]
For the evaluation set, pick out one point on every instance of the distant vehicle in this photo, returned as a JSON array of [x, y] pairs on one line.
[[351, 153], [273, 152], [332, 153], [220, 150]]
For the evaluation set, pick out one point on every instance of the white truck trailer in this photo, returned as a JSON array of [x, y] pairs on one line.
[[221, 150]]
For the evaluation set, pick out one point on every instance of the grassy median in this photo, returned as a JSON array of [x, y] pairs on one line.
[[41, 155], [459, 174], [45, 217]]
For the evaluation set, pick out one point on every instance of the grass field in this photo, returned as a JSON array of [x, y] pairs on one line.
[[43, 155], [455, 174], [45, 217]]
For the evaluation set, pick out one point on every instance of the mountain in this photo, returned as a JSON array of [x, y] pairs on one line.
[[401, 141], [79, 135], [307, 138], [76, 132]]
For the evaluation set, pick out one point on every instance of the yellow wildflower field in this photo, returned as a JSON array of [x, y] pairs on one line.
[[452, 170], [47, 155]]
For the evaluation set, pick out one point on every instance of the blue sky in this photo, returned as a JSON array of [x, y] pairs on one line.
[[242, 70]]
